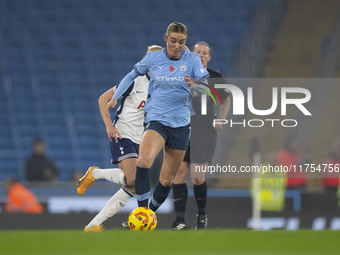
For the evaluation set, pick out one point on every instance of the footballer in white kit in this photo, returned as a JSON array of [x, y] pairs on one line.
[[130, 120]]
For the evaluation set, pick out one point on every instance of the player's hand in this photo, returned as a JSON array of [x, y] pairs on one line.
[[112, 103], [189, 82], [113, 133]]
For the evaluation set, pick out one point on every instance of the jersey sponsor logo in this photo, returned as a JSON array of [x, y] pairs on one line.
[[183, 68], [202, 70], [141, 105], [171, 68], [167, 78]]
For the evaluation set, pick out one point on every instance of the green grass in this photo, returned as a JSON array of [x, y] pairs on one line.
[[170, 242]]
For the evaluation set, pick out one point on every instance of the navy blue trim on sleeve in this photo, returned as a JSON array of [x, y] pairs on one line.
[[125, 84], [124, 96]]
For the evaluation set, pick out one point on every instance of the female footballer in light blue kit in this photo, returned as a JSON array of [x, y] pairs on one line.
[[167, 111], [128, 129]]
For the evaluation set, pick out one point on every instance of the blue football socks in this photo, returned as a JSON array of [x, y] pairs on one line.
[[142, 186], [159, 195]]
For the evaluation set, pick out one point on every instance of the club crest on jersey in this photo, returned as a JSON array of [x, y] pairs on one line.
[[171, 68], [183, 68]]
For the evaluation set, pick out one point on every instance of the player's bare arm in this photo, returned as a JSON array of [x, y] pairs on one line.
[[110, 104], [103, 101], [225, 107]]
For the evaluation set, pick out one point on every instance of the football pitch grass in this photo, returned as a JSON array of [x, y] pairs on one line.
[[170, 242]]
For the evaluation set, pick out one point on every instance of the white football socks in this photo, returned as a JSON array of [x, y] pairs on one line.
[[115, 204], [115, 175]]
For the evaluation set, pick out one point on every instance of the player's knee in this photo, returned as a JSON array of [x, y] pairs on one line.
[[144, 163], [166, 182], [180, 179], [198, 181]]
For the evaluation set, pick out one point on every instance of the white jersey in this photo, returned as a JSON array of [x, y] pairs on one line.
[[130, 115]]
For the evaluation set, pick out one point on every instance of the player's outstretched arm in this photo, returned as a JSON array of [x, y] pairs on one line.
[[122, 87], [125, 84], [103, 100]]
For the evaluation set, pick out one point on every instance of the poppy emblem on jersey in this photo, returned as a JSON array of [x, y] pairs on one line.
[[171, 68], [183, 68]]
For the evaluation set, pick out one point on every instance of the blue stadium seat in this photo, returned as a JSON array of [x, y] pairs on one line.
[[62, 55], [9, 165], [6, 142]]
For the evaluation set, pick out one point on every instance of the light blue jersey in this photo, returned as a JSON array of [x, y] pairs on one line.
[[169, 100]]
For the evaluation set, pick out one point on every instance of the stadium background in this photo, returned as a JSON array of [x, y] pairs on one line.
[[57, 57]]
